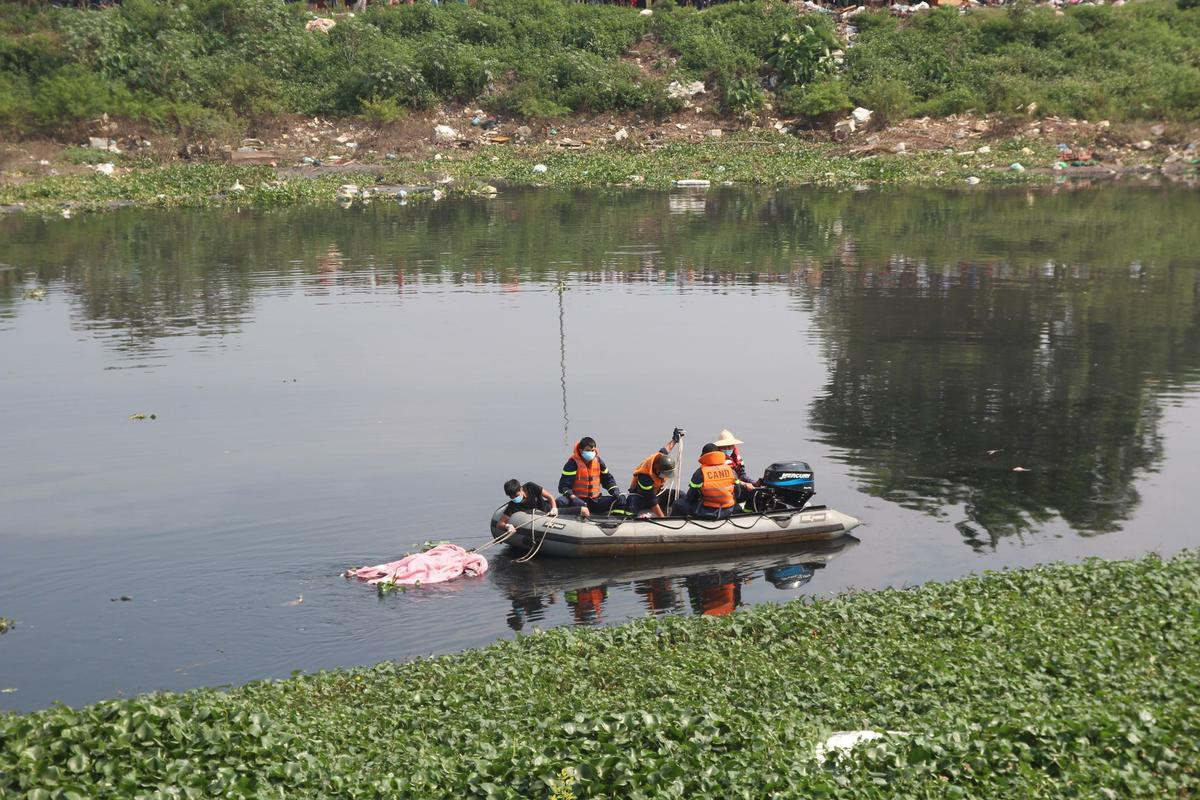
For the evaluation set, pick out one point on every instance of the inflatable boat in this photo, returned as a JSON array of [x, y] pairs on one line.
[[783, 517]]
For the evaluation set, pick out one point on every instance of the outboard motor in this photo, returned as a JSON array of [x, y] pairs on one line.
[[791, 482]]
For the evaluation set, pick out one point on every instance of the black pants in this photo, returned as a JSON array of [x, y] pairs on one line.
[[683, 508], [597, 505], [640, 503]]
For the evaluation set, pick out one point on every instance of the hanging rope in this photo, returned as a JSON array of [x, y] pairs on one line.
[[536, 546]]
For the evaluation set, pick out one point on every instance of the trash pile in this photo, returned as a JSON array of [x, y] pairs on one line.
[[902, 9]]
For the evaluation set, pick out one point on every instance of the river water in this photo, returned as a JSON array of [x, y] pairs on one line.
[[988, 379]]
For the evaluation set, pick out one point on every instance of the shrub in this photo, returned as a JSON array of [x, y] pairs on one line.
[[872, 23], [452, 72], [741, 95], [954, 101], [607, 30], [72, 95], [16, 102], [35, 55], [381, 110], [798, 58], [530, 98], [240, 58], [819, 102], [890, 99]]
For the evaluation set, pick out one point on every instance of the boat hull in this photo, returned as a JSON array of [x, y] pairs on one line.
[[572, 537]]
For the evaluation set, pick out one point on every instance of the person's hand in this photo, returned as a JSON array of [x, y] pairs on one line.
[[552, 512], [615, 491], [509, 528], [678, 434]]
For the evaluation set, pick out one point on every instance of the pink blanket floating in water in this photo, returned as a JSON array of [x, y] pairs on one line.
[[436, 565]]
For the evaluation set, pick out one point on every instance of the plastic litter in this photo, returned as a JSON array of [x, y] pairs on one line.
[[444, 133]]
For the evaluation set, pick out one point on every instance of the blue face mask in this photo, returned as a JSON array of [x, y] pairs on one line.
[[588, 455], [728, 452], [518, 499]]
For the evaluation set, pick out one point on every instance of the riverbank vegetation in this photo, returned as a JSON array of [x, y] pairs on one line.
[[1058, 681], [212, 67], [776, 161]]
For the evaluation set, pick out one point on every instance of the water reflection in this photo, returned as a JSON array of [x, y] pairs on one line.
[[554, 591], [1003, 394]]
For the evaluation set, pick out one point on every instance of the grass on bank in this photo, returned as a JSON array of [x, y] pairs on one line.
[[1058, 681], [211, 67]]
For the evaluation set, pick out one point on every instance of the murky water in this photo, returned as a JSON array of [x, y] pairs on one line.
[[332, 388]]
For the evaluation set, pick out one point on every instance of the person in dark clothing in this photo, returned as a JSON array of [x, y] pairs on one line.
[[650, 477], [583, 477], [715, 489], [728, 443], [527, 497]]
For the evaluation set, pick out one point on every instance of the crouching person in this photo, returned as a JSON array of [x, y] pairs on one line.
[[583, 477], [715, 490], [646, 496], [527, 497]]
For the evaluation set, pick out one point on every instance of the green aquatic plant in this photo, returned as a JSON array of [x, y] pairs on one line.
[[6, 624], [761, 160], [1058, 681]]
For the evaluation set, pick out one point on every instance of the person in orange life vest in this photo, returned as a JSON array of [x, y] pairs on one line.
[[650, 477], [583, 477], [528, 497], [715, 490]]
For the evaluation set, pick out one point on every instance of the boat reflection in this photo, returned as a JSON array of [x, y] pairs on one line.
[[695, 583]]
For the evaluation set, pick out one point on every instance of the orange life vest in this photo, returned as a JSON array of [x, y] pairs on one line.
[[718, 481], [647, 468], [587, 475]]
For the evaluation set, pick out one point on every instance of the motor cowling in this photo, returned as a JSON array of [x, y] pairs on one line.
[[790, 481]]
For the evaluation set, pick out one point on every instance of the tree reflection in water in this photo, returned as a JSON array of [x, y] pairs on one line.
[[948, 383]]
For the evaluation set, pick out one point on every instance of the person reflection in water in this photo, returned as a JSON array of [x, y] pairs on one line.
[[528, 609], [587, 604], [659, 596], [714, 594]]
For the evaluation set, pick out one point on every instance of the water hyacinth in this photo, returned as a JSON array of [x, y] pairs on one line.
[[1079, 680]]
